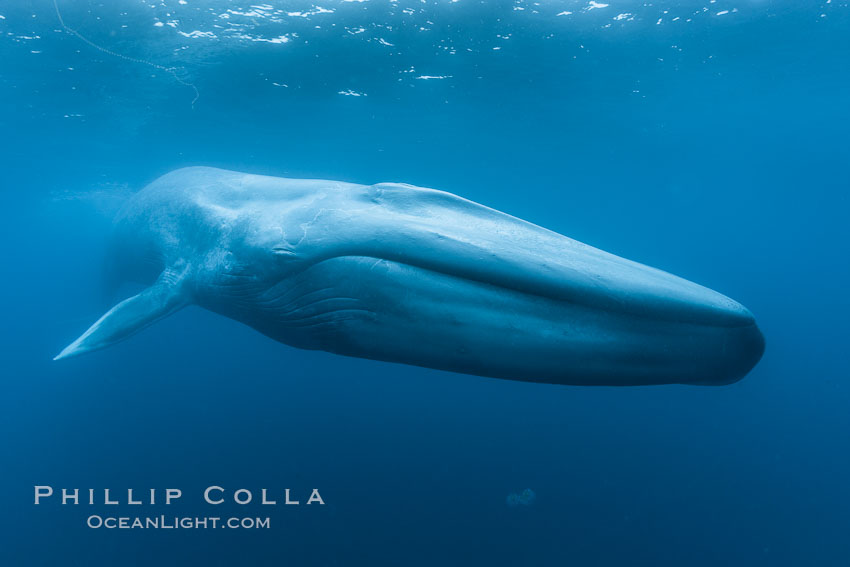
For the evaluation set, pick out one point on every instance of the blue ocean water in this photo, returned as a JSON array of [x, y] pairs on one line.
[[709, 139]]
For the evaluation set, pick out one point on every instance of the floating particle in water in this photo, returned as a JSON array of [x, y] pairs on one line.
[[525, 497]]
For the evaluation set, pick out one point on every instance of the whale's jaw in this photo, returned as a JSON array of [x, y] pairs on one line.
[[742, 348], [396, 312]]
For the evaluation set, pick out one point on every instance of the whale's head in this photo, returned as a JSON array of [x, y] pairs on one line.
[[659, 328]]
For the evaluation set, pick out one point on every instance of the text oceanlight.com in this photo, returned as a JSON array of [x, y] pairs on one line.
[[175, 522]]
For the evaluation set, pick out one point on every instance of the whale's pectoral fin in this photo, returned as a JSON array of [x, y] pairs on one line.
[[131, 315]]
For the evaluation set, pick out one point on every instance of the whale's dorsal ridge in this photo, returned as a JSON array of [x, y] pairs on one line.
[[164, 297]]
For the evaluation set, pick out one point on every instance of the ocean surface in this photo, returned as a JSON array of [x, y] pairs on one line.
[[709, 139]]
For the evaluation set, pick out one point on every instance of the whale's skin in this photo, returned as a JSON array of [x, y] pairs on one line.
[[405, 274]]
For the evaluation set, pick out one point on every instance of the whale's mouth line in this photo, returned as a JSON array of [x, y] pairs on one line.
[[646, 307], [649, 308]]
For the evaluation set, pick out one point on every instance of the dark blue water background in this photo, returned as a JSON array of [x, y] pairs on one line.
[[714, 146]]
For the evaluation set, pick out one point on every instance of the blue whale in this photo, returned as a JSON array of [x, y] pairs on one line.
[[417, 276]]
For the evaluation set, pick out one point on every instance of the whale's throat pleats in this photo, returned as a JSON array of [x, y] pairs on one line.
[[306, 309]]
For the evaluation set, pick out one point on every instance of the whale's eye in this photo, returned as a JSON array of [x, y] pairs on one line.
[[283, 251]]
